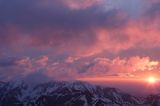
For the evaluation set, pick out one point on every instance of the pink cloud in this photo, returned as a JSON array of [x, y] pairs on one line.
[[95, 67], [42, 61], [81, 4], [75, 67]]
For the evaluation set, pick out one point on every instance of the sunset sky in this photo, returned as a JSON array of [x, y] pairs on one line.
[[79, 39]]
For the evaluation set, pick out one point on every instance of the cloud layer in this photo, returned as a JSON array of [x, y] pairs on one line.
[[74, 68], [56, 29]]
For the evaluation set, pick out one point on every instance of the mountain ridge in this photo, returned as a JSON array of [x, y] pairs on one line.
[[62, 93]]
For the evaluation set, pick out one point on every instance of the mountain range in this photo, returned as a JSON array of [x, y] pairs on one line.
[[61, 93]]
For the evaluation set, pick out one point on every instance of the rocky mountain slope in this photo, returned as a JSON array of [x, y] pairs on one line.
[[68, 94]]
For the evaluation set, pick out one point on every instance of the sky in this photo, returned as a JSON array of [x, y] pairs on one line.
[[79, 39]]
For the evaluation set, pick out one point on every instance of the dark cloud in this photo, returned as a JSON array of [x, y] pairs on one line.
[[154, 10], [7, 62], [35, 14], [38, 24]]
